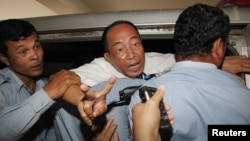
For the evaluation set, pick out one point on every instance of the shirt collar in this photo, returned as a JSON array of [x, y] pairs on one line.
[[9, 76], [6, 75], [183, 64]]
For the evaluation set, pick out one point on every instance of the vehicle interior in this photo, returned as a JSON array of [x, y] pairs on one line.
[[72, 40], [75, 39]]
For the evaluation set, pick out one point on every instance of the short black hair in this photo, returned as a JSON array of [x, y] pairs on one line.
[[197, 28], [104, 35], [14, 30]]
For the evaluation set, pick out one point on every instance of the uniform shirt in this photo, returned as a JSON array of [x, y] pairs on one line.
[[200, 95], [23, 116], [70, 126]]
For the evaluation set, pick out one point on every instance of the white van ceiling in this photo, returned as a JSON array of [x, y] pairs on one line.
[[39, 8], [118, 5]]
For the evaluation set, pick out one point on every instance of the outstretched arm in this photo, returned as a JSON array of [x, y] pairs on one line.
[[236, 65], [29, 111]]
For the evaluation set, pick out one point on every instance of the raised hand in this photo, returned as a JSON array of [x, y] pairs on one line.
[[108, 132], [142, 113], [94, 102]]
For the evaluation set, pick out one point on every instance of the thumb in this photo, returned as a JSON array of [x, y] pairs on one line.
[[89, 94], [107, 87], [158, 95]]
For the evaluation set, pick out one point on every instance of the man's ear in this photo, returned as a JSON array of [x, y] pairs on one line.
[[218, 51], [4, 59], [107, 56]]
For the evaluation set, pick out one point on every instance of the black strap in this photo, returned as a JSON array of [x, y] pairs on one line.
[[125, 96]]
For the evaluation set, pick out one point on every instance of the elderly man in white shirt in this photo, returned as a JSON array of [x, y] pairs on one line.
[[100, 70]]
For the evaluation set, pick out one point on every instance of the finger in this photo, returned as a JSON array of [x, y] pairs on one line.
[[89, 94], [240, 79], [67, 77], [116, 137], [167, 107], [108, 86], [84, 88], [99, 108], [158, 94], [111, 131], [171, 118], [88, 108], [110, 128], [112, 79], [71, 74], [66, 73], [70, 82], [246, 64], [109, 122], [84, 116]]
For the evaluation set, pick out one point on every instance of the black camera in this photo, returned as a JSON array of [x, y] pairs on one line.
[[165, 128], [125, 96], [126, 93]]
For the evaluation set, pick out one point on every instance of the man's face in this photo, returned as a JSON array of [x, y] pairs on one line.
[[25, 57], [126, 52]]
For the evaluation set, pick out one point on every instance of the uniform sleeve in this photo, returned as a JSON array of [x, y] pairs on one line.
[[17, 119]]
